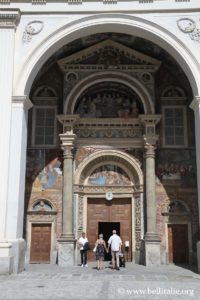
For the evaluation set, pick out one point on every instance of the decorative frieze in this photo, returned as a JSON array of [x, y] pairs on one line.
[[9, 18], [109, 1], [4, 1], [39, 2], [101, 67], [101, 128], [74, 1], [116, 190]]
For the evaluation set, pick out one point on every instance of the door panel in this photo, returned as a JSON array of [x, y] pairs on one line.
[[178, 243], [101, 210], [40, 243]]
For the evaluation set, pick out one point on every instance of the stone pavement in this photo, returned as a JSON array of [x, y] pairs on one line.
[[50, 282]]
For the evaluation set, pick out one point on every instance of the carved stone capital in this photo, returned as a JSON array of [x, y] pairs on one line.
[[22, 101], [150, 141], [150, 150], [68, 122], [195, 104], [9, 18], [67, 151], [67, 144]]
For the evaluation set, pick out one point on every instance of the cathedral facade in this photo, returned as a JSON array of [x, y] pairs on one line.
[[99, 129]]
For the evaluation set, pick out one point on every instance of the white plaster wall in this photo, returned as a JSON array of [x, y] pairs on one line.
[[6, 73], [16, 185]]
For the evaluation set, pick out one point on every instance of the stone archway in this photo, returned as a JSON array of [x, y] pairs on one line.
[[96, 24], [125, 79], [125, 208]]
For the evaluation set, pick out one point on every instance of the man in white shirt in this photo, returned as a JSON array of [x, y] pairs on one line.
[[115, 242], [82, 240]]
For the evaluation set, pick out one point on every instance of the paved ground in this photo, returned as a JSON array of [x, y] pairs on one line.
[[47, 282]]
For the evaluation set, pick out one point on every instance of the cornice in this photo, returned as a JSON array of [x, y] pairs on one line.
[[195, 104], [9, 18], [22, 101], [134, 6]]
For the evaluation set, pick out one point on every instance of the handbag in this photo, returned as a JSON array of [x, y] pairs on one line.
[[86, 246], [94, 249]]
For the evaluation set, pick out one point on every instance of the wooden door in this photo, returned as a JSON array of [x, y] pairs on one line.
[[101, 210], [40, 243], [178, 243]]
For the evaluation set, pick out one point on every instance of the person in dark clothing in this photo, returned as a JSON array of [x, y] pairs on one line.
[[100, 251]]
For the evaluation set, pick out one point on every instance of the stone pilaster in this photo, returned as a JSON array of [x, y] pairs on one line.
[[67, 240], [15, 202], [8, 22], [195, 105]]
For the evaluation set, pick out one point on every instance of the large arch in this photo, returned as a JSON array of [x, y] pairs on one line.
[[109, 76], [100, 23], [128, 163]]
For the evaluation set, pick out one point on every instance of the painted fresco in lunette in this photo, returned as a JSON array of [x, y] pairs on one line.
[[109, 175]]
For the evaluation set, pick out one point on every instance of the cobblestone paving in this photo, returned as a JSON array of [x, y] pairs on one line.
[[47, 282]]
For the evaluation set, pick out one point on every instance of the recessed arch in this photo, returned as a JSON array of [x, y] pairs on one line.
[[127, 80], [129, 164], [100, 23]]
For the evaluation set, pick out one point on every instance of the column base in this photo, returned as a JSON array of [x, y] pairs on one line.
[[66, 251], [152, 255], [12, 256], [198, 256]]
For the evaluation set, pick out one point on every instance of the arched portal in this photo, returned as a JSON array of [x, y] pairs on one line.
[[109, 191], [124, 136]]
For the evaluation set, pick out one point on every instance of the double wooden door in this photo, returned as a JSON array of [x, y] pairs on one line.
[[40, 243], [102, 213], [178, 243]]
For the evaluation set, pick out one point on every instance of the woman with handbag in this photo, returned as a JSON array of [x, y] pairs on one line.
[[100, 251]]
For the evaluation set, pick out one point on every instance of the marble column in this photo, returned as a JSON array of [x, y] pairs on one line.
[[151, 238], [67, 241], [195, 105], [8, 22]]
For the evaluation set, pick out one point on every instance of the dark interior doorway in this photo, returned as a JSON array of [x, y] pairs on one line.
[[106, 228]]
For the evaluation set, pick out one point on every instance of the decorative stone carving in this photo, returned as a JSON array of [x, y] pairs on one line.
[[187, 25], [9, 18], [110, 48], [32, 28], [74, 1], [4, 1], [109, 1], [104, 189], [101, 128], [38, 1], [71, 79], [80, 213], [138, 222]]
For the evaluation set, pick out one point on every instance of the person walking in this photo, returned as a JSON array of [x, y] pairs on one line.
[[100, 251], [115, 243], [83, 241]]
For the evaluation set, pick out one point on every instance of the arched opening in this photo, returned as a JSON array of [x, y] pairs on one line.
[[109, 187], [148, 77]]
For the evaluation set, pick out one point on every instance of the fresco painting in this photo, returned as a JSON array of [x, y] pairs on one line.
[[109, 175], [43, 169], [176, 167]]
